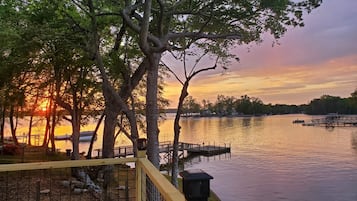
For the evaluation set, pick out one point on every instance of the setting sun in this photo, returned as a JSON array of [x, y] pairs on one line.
[[43, 106]]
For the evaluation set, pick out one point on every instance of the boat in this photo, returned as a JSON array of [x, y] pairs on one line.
[[63, 137], [84, 136], [298, 121], [309, 124]]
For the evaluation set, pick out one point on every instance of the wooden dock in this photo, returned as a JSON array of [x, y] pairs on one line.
[[336, 121], [209, 150], [167, 149]]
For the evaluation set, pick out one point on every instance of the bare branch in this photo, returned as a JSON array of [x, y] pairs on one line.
[[127, 12], [122, 129], [99, 60], [161, 17], [67, 118], [205, 69], [198, 61], [184, 63], [144, 31], [119, 37], [64, 105], [81, 7], [197, 35], [171, 71], [108, 14], [126, 16], [187, 46], [76, 23]]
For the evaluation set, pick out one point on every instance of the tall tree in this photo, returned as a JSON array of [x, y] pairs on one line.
[[189, 74], [212, 25]]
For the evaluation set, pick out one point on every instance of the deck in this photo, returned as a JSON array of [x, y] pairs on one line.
[[167, 148], [209, 150], [336, 121]]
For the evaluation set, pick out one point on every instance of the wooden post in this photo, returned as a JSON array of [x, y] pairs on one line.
[[140, 178], [97, 152]]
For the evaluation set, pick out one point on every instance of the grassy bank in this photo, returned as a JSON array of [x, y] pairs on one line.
[[30, 154]]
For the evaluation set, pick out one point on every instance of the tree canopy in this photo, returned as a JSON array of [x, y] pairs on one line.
[[120, 43], [245, 105]]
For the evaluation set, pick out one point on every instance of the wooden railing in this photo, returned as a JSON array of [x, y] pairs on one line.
[[144, 170]]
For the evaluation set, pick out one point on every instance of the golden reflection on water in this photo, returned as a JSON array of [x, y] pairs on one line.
[[274, 135], [63, 128]]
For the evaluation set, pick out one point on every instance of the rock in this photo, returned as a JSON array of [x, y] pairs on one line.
[[77, 184], [79, 190], [45, 191]]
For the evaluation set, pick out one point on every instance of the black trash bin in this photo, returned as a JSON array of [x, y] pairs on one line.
[[196, 185]]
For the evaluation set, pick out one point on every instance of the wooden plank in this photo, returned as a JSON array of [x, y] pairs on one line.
[[64, 164]]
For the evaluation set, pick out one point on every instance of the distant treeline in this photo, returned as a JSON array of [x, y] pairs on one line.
[[245, 105]]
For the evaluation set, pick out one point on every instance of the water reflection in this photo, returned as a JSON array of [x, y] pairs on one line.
[[195, 160], [258, 121], [354, 140], [273, 159], [246, 122], [228, 122]]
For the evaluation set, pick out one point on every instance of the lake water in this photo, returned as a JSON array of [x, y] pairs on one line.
[[271, 158]]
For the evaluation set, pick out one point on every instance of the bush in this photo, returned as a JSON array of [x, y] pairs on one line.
[[11, 149]]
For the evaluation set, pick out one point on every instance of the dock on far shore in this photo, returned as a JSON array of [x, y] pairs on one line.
[[208, 150], [167, 147], [334, 120]]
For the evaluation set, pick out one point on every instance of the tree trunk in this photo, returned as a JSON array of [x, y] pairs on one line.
[[90, 149], [30, 130], [108, 145], [108, 133], [152, 112], [52, 133], [2, 125], [134, 133], [48, 126], [177, 128], [75, 137], [31, 118], [12, 125]]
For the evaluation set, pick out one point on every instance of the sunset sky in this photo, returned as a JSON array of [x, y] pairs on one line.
[[318, 59]]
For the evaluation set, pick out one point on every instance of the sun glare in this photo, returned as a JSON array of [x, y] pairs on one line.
[[43, 106]]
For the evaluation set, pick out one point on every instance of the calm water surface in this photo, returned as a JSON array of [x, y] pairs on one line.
[[272, 159]]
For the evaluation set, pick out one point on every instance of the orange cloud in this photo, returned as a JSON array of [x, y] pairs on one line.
[[279, 84]]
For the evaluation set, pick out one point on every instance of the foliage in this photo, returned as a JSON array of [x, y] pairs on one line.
[[333, 104], [68, 41], [245, 105], [190, 106]]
